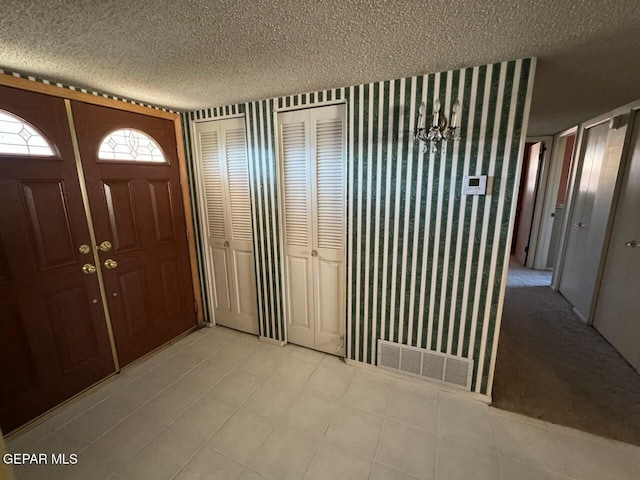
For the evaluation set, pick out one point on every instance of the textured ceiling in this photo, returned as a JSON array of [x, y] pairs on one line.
[[189, 54]]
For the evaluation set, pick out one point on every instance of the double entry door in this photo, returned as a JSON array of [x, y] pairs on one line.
[[313, 180], [94, 268], [617, 314], [224, 189]]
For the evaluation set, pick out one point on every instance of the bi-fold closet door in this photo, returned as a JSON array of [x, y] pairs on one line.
[[222, 159], [313, 183]]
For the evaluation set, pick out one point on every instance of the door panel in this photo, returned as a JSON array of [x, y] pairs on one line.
[[75, 340], [135, 207], [53, 335], [222, 295], [123, 229], [300, 300], [46, 208], [245, 284], [330, 295], [617, 314], [162, 207], [222, 154]]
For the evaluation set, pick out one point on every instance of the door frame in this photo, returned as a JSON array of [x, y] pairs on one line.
[[549, 195], [540, 193], [280, 190], [61, 92], [209, 280], [625, 112]]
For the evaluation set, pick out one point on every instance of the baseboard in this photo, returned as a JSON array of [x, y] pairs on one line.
[[272, 341], [408, 378]]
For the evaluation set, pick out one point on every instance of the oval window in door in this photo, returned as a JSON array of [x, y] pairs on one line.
[[130, 145], [18, 137]]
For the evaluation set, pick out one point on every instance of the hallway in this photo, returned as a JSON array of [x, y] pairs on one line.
[[552, 366]]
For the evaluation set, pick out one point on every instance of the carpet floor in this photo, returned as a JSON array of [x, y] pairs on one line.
[[554, 367]]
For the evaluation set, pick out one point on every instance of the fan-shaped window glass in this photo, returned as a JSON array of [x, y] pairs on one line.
[[130, 145], [17, 137]]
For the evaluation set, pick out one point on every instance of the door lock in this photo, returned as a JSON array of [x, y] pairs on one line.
[[105, 246], [631, 244], [314, 253], [88, 269], [110, 263], [84, 249]]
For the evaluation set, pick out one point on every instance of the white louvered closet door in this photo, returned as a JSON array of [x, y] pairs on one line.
[[329, 182], [222, 152], [298, 234], [313, 169]]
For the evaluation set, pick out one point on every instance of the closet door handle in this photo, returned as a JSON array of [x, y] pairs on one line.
[[314, 253], [580, 225], [226, 244], [631, 244]]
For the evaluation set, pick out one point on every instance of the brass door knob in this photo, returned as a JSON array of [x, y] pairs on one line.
[[84, 249], [88, 269], [105, 246], [110, 263]]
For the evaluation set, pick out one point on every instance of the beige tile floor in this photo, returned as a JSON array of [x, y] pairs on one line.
[[221, 404]]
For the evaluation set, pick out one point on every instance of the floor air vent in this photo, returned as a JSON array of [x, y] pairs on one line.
[[424, 363]]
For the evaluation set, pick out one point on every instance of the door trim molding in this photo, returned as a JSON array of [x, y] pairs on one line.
[[540, 192], [281, 211], [55, 91], [92, 234], [188, 214]]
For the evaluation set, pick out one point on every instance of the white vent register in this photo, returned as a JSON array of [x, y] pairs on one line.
[[428, 364]]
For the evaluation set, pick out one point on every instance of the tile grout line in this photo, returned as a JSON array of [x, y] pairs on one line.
[[164, 428]]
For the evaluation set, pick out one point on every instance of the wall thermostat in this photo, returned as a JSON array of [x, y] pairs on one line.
[[474, 185]]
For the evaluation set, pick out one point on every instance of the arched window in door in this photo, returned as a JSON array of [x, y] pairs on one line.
[[129, 145], [18, 137]]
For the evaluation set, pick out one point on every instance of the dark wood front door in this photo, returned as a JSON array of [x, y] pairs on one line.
[[137, 207], [53, 335]]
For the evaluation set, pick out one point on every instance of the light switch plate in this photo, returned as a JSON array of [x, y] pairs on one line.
[[474, 185]]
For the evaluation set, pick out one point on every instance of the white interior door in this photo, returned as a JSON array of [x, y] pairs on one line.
[[617, 314], [528, 202], [312, 153], [579, 262], [590, 216], [222, 155]]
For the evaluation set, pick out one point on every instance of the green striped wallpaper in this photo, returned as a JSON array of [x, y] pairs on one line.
[[426, 265]]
